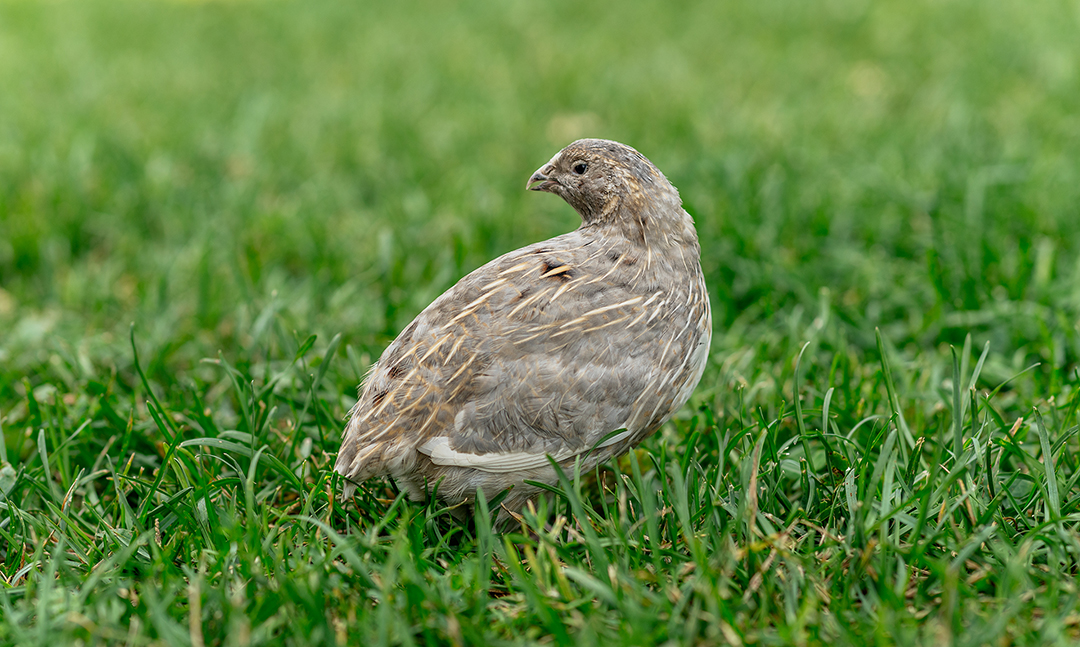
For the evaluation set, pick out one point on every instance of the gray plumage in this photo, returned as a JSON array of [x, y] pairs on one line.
[[547, 349]]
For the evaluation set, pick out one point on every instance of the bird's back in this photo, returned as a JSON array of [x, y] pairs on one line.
[[543, 351]]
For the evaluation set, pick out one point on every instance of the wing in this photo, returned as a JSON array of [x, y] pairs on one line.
[[543, 351]]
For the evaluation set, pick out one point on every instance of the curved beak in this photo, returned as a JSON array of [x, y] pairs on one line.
[[541, 180]]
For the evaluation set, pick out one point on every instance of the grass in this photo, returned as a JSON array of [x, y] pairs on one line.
[[214, 216]]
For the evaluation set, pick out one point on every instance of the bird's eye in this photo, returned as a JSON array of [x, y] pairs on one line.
[[580, 167]]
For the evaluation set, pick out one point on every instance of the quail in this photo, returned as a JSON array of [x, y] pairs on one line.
[[574, 348]]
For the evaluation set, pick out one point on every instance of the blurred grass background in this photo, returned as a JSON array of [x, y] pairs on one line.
[[174, 164], [232, 177]]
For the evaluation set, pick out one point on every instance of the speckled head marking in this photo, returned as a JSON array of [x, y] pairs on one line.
[[605, 180]]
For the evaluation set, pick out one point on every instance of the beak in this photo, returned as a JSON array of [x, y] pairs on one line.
[[542, 176]]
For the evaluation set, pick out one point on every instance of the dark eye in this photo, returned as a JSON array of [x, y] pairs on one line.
[[580, 167]]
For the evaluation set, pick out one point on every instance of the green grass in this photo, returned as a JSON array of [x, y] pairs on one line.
[[214, 216]]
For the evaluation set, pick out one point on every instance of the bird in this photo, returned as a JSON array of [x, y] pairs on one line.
[[575, 348]]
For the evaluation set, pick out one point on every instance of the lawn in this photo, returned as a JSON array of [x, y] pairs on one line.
[[215, 215]]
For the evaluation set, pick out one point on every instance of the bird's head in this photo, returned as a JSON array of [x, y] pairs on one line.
[[605, 181]]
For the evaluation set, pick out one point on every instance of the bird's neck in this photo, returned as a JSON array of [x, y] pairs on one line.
[[651, 220]]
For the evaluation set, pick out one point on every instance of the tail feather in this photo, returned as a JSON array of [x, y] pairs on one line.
[[348, 490], [368, 452], [352, 467]]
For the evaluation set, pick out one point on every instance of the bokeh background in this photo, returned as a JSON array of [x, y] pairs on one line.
[[186, 166]]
